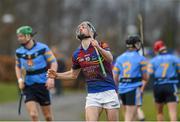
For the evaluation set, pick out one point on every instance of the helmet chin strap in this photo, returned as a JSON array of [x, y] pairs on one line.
[[24, 44], [138, 46]]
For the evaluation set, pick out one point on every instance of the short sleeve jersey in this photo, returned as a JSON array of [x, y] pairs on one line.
[[165, 68], [88, 61], [130, 65], [35, 62]]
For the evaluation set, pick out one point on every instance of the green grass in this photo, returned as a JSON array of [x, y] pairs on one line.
[[8, 92], [148, 108]]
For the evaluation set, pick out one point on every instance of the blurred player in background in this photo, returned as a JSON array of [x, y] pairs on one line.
[[130, 72], [164, 69], [32, 61]]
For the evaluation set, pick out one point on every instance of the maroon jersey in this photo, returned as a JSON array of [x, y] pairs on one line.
[[87, 60]]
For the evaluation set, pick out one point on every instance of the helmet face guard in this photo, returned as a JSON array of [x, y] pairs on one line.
[[90, 27], [133, 42]]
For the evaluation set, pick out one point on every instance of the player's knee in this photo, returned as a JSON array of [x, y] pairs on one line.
[[159, 111], [34, 115]]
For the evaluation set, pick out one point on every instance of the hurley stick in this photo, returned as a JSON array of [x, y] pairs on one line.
[[140, 19]]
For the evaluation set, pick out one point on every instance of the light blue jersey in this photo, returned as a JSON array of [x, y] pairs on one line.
[[130, 66], [35, 62], [165, 68]]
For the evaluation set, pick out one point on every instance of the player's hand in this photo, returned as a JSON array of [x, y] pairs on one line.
[[50, 83], [51, 74], [95, 43], [21, 85]]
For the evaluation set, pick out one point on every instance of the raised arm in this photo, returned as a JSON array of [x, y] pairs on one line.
[[105, 53]]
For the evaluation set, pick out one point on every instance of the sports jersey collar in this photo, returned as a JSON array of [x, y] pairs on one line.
[[163, 53], [90, 45], [132, 51]]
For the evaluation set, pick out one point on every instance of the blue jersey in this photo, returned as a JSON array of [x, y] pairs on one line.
[[34, 62], [130, 66], [87, 60], [165, 68]]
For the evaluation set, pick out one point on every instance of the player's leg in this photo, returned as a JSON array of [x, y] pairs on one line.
[[122, 108], [133, 99], [172, 107], [130, 112], [159, 97], [43, 98], [111, 105], [30, 102], [112, 114], [140, 114], [159, 110], [47, 112], [171, 100], [32, 110], [92, 113], [93, 107]]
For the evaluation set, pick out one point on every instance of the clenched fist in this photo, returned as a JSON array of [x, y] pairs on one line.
[[51, 73]]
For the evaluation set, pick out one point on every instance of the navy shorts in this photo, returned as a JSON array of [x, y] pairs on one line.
[[133, 97], [165, 93], [38, 93]]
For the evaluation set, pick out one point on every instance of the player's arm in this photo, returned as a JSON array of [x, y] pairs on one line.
[[54, 65], [151, 71], [145, 76], [144, 81], [51, 60], [69, 75], [116, 75], [19, 74], [105, 53], [177, 65]]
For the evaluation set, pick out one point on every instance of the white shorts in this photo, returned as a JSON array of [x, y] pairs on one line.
[[107, 99]]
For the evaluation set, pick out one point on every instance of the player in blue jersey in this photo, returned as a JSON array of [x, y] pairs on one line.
[[101, 89], [130, 69], [164, 69], [32, 61]]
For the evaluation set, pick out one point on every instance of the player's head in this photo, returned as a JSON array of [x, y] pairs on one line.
[[159, 46], [85, 30], [133, 42], [24, 34]]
